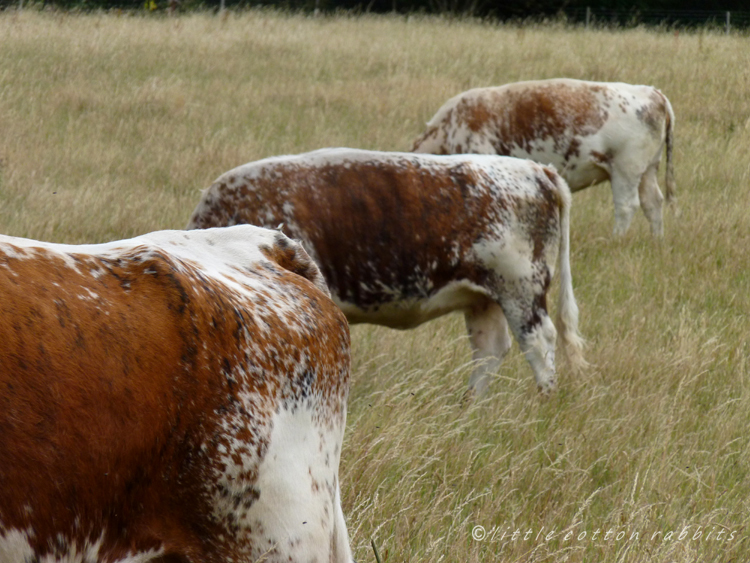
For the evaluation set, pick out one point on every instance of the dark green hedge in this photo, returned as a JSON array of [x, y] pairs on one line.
[[603, 12]]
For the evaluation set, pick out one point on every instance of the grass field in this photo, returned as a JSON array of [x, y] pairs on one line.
[[110, 125]]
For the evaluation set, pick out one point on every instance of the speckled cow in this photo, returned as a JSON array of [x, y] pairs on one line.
[[590, 131], [177, 397], [403, 238]]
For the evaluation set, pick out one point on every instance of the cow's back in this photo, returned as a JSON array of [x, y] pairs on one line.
[[143, 386], [89, 365], [579, 127], [390, 231]]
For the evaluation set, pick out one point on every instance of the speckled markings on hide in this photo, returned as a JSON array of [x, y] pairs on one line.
[[211, 356]]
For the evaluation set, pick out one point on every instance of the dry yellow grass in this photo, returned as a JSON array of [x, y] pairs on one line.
[[109, 126]]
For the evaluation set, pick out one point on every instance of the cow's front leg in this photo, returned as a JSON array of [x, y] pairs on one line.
[[490, 342]]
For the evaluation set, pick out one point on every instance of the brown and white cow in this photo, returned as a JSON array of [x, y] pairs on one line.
[[403, 238], [177, 397], [590, 131]]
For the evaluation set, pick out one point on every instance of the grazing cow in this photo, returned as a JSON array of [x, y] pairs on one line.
[[177, 397], [403, 238], [590, 131]]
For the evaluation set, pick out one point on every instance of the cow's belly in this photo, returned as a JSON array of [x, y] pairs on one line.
[[583, 175], [581, 169], [409, 313]]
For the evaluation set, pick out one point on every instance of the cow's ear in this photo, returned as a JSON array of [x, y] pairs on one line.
[[290, 255]]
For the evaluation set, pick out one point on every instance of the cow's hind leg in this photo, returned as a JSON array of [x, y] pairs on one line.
[[526, 312], [625, 197], [490, 342], [652, 199]]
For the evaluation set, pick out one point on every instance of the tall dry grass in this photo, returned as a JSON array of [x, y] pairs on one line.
[[110, 125]]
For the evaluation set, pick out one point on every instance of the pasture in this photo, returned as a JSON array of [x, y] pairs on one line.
[[110, 125]]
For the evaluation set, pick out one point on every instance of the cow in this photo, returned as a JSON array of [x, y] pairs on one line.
[[403, 238], [590, 131], [176, 397]]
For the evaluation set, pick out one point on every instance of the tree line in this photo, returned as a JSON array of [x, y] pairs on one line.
[[617, 12]]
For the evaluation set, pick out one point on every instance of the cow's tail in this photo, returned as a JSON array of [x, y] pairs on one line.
[[430, 142], [567, 310], [669, 180], [434, 140]]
